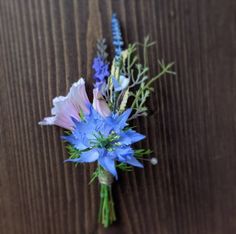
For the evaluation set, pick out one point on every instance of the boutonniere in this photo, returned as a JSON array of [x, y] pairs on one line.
[[101, 132]]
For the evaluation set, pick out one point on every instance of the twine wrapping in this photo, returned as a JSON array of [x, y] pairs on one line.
[[105, 178]]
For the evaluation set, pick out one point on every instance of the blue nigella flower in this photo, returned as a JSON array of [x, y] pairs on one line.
[[117, 36], [101, 69], [104, 139]]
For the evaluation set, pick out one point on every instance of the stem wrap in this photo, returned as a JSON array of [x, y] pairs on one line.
[[106, 211], [105, 177]]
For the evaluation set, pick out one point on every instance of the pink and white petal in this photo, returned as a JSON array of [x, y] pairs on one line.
[[63, 110], [55, 120], [69, 106], [47, 121], [99, 104], [78, 96], [63, 116], [58, 103], [59, 120]]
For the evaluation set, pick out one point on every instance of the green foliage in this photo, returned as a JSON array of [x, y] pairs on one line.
[[142, 152], [94, 175], [141, 84], [105, 142], [124, 167], [145, 83], [73, 153]]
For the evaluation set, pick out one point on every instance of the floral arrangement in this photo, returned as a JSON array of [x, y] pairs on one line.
[[100, 132]]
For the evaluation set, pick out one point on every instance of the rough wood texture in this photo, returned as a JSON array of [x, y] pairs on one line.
[[45, 45]]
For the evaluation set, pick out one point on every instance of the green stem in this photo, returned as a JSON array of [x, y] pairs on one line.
[[156, 77], [147, 85], [106, 215], [106, 211]]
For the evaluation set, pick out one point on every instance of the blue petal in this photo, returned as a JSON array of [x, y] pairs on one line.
[[75, 121], [106, 130], [87, 157], [79, 143], [93, 115], [116, 84], [108, 164], [133, 161], [121, 120], [123, 152], [124, 139], [134, 136], [84, 127], [129, 137]]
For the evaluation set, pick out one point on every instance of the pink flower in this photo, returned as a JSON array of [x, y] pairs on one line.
[[99, 104], [74, 103], [64, 108]]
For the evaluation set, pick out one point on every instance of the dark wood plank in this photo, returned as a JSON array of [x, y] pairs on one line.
[[46, 45]]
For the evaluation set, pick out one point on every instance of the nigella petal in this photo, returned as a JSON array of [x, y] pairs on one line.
[[125, 115], [79, 144], [108, 164], [123, 118], [83, 127], [124, 151], [133, 161], [75, 121], [134, 136], [88, 156], [124, 139], [125, 154]]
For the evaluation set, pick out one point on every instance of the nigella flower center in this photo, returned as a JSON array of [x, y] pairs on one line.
[[108, 142]]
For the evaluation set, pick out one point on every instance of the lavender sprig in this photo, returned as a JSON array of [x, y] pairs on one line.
[[117, 36]]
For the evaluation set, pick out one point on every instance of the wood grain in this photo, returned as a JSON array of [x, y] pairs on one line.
[[46, 45]]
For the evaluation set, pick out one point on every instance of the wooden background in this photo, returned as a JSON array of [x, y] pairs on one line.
[[46, 45]]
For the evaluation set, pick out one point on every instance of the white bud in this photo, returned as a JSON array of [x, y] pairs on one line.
[[154, 161]]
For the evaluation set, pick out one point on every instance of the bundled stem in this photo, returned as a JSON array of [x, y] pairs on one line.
[[106, 211]]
